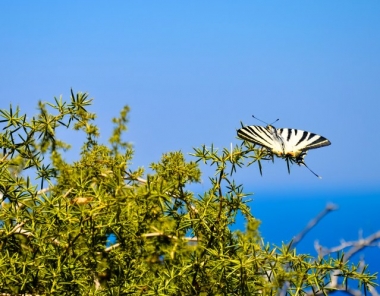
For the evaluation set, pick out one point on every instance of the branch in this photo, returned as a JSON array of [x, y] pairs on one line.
[[335, 286], [189, 239], [356, 246], [373, 291], [312, 223], [18, 229], [130, 177], [5, 156], [363, 243], [39, 192], [110, 248], [6, 294], [342, 288], [153, 234]]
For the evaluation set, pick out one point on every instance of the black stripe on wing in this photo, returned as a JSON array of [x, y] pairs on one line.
[[302, 140], [256, 134], [316, 141]]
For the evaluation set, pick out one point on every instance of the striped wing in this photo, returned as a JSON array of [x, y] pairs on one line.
[[283, 140], [257, 134], [298, 140]]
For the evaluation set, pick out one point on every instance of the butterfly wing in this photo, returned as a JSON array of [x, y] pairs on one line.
[[282, 141], [299, 140], [256, 134]]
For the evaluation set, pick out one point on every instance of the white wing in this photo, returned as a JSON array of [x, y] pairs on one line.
[[257, 134], [298, 140], [282, 141]]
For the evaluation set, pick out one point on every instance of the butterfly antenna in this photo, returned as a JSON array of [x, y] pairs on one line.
[[264, 121], [275, 121], [310, 170]]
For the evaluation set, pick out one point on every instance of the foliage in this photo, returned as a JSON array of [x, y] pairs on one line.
[[97, 227]]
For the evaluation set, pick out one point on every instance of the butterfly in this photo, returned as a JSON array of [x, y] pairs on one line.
[[288, 143]]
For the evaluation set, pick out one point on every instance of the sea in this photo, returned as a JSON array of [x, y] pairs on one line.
[[357, 216]]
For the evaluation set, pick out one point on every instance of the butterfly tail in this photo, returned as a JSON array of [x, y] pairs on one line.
[[300, 160], [303, 163], [287, 163]]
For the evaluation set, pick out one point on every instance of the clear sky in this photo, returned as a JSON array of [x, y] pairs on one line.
[[192, 70]]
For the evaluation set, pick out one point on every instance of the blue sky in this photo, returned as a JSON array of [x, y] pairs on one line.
[[192, 70]]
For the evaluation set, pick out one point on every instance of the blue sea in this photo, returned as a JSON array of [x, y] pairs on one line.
[[283, 217]]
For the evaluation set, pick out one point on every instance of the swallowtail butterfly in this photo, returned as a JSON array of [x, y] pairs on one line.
[[288, 143]]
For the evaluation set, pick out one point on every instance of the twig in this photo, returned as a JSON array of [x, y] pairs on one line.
[[356, 246], [335, 286], [18, 229], [110, 248], [329, 208], [154, 234], [373, 291], [6, 294], [189, 239], [39, 192], [312, 223], [5, 156], [130, 177], [362, 243]]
